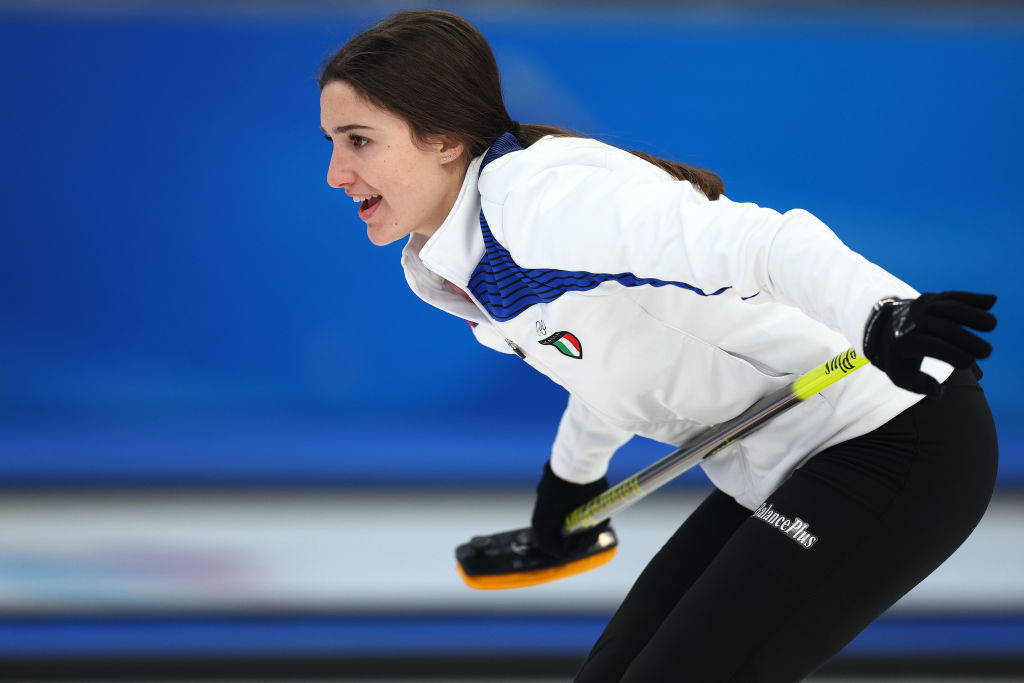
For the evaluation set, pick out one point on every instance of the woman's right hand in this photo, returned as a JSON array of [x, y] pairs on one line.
[[901, 332]]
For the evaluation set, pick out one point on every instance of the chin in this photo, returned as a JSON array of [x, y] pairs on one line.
[[383, 238], [379, 241]]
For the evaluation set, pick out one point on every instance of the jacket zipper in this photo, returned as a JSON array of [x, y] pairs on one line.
[[518, 351]]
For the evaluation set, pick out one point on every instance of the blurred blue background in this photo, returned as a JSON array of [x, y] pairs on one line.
[[174, 266], [184, 300]]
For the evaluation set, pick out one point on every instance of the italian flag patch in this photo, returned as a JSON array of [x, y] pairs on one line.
[[566, 343]]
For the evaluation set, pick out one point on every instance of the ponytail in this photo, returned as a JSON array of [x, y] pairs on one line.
[[704, 180]]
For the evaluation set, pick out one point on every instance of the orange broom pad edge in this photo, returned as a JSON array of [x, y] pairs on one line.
[[536, 576]]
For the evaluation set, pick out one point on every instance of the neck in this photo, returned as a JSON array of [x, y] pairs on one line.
[[455, 177]]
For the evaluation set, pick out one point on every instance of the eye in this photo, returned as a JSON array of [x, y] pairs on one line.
[[328, 138], [358, 140]]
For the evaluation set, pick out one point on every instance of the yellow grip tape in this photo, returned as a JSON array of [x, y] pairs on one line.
[[626, 490], [827, 374]]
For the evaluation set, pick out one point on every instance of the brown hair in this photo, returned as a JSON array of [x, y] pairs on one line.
[[436, 71]]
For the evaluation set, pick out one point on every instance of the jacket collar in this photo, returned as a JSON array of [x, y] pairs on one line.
[[451, 253]]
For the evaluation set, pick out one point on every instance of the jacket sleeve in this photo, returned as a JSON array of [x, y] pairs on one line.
[[584, 444], [597, 219]]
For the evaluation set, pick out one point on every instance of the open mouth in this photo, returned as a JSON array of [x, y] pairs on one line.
[[367, 204]]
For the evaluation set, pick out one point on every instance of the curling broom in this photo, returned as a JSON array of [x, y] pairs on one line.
[[509, 559]]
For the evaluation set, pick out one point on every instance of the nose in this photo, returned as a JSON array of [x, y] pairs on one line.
[[339, 173]]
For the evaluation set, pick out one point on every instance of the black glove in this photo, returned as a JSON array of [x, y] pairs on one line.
[[556, 498], [901, 332]]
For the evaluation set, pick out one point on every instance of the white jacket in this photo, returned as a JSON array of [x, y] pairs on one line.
[[686, 311]]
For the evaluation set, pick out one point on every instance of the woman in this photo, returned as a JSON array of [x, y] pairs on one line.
[[663, 307]]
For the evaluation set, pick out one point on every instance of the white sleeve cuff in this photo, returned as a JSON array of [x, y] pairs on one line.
[[584, 444]]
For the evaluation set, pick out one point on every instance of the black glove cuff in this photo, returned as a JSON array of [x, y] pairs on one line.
[[884, 309], [554, 488]]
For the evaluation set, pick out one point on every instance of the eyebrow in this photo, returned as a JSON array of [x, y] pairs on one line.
[[344, 129]]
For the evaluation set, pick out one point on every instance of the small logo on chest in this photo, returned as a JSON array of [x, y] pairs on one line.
[[565, 343]]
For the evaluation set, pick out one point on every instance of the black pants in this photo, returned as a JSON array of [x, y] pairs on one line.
[[736, 596]]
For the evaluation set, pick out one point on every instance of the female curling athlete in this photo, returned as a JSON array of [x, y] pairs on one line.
[[663, 307]]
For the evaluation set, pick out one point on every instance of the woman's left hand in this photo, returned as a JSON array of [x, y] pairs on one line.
[[556, 498]]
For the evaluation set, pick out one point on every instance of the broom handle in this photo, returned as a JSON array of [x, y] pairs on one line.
[[714, 439]]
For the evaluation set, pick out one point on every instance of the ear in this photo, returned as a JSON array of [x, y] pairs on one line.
[[450, 149]]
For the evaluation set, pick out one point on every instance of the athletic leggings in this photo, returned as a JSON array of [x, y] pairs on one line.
[[770, 596]]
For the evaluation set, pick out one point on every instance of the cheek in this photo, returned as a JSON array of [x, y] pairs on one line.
[[414, 189], [411, 182]]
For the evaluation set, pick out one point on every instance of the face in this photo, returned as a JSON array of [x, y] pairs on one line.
[[400, 185]]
